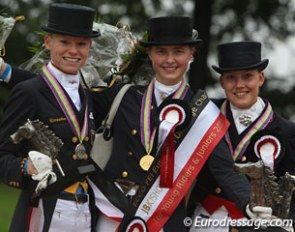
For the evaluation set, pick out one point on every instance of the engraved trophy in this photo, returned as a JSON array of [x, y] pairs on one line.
[[41, 138], [267, 189], [45, 141]]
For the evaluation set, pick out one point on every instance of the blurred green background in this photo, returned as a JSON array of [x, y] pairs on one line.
[[8, 199], [268, 21]]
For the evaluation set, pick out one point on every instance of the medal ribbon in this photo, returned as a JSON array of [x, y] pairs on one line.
[[65, 105], [147, 138], [261, 123]]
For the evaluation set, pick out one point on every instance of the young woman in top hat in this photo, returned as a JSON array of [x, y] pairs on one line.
[[153, 119], [57, 99], [256, 132], [139, 136]]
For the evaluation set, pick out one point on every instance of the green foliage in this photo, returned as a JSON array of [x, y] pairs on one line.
[[267, 21], [8, 199], [248, 18], [37, 44]]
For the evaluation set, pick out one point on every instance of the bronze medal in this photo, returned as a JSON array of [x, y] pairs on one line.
[[146, 161], [80, 152]]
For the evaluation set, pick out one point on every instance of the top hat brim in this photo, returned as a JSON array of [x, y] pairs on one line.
[[170, 42], [55, 31], [261, 66]]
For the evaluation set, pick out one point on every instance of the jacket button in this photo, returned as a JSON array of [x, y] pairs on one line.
[[130, 153], [134, 132], [244, 158], [218, 190], [74, 139], [124, 174]]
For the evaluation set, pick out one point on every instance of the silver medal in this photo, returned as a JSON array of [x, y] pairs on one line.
[[80, 151]]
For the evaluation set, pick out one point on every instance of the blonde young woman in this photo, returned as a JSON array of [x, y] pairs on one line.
[[256, 131]]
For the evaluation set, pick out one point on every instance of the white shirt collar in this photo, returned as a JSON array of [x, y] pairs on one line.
[[163, 90], [66, 80], [69, 82]]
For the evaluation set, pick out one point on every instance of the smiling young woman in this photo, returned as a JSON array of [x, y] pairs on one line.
[[256, 132], [170, 62], [68, 53], [242, 86]]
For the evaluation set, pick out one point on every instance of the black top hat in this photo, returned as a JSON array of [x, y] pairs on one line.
[[242, 55], [71, 19], [170, 31]]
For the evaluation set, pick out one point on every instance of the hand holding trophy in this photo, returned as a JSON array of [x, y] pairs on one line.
[[46, 145]]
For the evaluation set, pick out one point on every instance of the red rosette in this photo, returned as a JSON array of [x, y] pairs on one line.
[[267, 148], [137, 225]]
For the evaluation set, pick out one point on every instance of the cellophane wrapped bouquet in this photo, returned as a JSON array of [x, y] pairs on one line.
[[114, 56], [6, 26]]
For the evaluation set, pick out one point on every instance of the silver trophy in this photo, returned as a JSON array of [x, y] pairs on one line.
[[41, 138], [267, 189]]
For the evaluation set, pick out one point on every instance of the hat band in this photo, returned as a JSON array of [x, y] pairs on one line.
[[66, 28], [237, 65], [169, 38]]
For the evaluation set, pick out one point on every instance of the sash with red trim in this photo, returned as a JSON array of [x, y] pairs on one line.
[[152, 205]]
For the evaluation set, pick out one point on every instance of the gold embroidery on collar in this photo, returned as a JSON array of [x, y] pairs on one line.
[[52, 120]]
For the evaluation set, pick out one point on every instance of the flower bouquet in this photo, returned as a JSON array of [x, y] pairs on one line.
[[6, 26], [114, 55]]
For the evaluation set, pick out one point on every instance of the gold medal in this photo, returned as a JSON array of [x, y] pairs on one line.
[[80, 152], [146, 161]]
